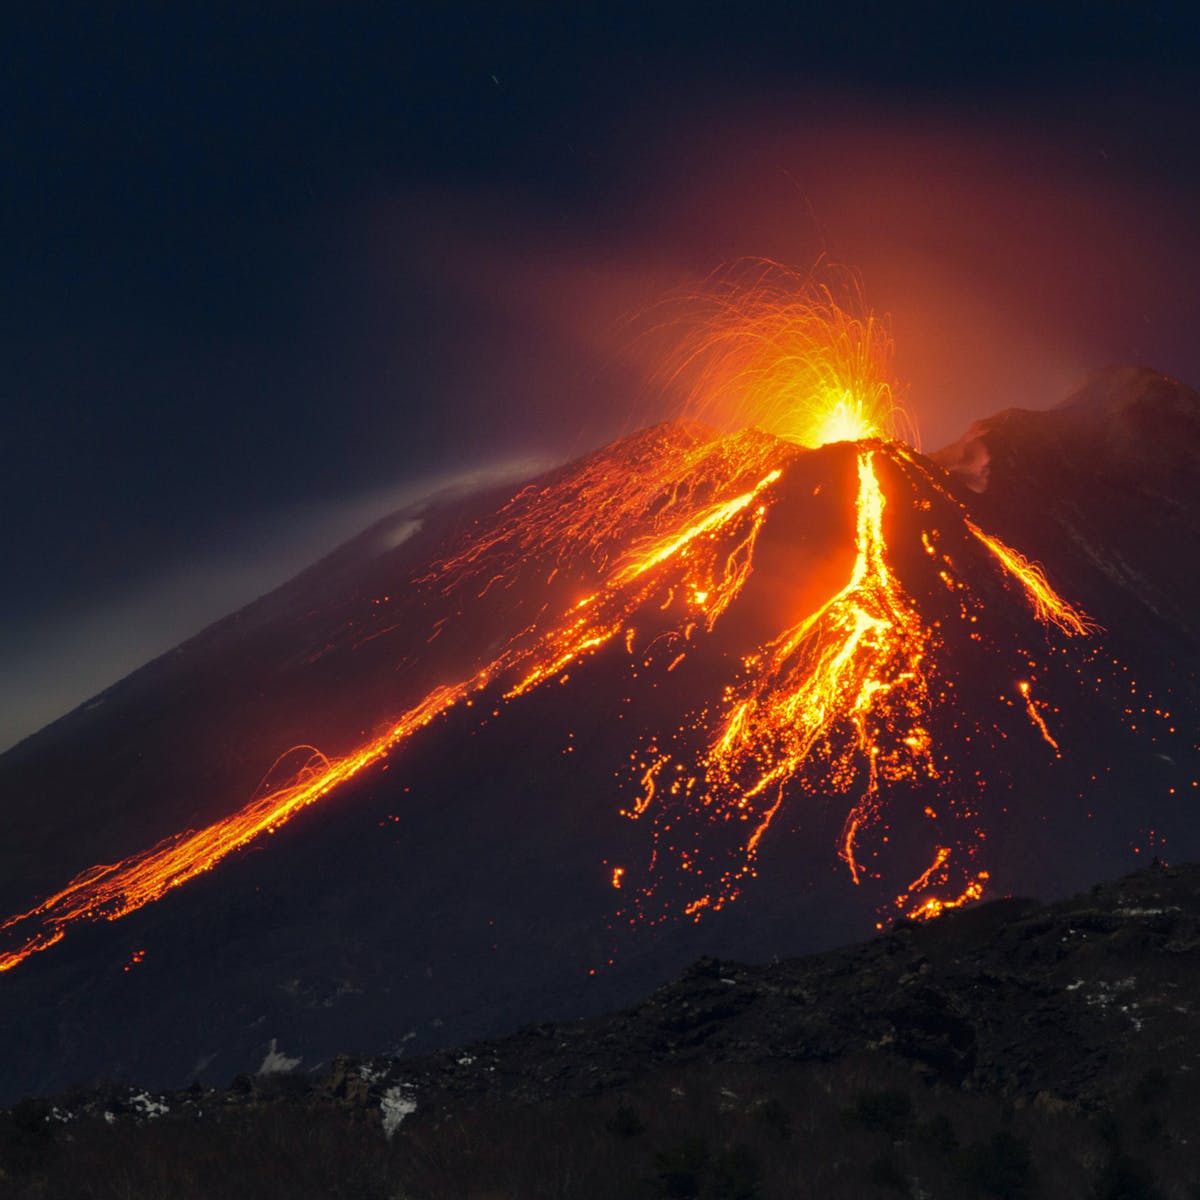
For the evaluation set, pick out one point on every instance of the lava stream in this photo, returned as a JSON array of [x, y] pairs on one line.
[[659, 536], [708, 572], [846, 684]]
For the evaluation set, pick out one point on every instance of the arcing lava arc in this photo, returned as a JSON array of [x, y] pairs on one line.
[[869, 677]]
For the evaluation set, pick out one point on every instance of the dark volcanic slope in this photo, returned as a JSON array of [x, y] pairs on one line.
[[1075, 999], [1105, 489], [463, 885]]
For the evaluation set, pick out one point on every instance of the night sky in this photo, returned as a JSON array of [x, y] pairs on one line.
[[271, 270]]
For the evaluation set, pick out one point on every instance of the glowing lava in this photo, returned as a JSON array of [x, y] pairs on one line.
[[652, 542], [843, 691], [701, 556], [796, 357], [1047, 604]]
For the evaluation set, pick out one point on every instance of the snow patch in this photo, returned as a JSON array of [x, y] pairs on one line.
[[276, 1062], [1104, 994], [145, 1105], [397, 1103]]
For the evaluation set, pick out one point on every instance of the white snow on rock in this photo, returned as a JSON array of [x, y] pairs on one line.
[[146, 1106], [276, 1062], [397, 1103]]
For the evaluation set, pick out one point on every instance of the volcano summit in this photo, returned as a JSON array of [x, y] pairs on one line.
[[698, 691]]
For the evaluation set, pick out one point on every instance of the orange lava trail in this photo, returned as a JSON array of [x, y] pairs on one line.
[[845, 686], [840, 704], [708, 573], [1047, 604], [590, 513], [663, 539], [937, 874], [1036, 717]]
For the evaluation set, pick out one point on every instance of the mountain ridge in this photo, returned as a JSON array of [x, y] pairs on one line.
[[1059, 1036], [391, 908]]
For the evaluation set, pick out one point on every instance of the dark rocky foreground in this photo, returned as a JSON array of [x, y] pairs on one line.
[[1013, 1049]]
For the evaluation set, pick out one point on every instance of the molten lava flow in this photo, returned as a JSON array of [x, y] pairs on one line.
[[840, 704], [591, 513], [1035, 716], [798, 358], [699, 560], [938, 874], [841, 697], [1048, 605], [641, 550], [855, 661]]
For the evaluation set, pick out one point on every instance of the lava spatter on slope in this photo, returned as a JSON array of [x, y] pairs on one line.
[[851, 704], [841, 705], [687, 543]]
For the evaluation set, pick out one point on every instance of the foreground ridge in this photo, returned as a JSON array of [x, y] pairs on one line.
[[1072, 1019]]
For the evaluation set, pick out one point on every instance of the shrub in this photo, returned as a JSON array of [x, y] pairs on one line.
[[626, 1122], [885, 1172], [736, 1175], [1152, 1087], [678, 1170], [1126, 1179], [774, 1116], [1000, 1167], [939, 1133], [889, 1110]]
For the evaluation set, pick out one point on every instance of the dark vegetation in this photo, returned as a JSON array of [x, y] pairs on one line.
[[864, 1127], [1009, 1052]]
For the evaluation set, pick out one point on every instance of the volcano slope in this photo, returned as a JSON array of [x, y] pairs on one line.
[[693, 693]]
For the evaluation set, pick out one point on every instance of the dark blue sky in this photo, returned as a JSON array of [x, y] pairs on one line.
[[269, 266]]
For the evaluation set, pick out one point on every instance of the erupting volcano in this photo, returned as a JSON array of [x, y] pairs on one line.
[[771, 623]]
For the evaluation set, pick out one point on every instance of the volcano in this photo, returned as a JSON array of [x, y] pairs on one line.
[[522, 756]]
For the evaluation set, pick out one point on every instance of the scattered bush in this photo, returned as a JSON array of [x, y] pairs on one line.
[[678, 1170], [885, 1172], [889, 1110], [999, 1167], [27, 1138], [939, 1133], [1152, 1086], [1126, 1179], [626, 1122], [736, 1175], [774, 1117]]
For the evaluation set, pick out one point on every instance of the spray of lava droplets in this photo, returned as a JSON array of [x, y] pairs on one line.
[[839, 700], [796, 356]]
